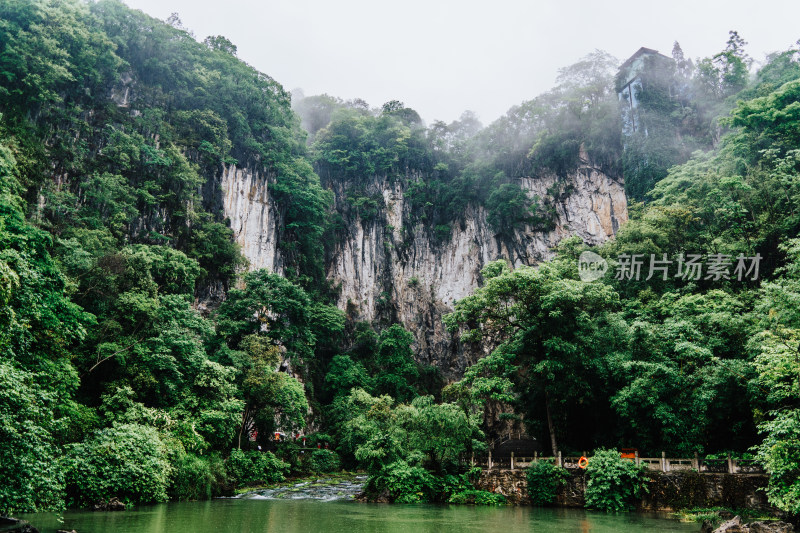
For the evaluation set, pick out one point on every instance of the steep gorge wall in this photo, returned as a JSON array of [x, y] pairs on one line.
[[387, 272], [254, 216]]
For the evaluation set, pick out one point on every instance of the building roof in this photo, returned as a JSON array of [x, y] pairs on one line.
[[640, 52]]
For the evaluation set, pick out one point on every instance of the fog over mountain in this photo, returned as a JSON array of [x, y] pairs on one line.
[[444, 57]]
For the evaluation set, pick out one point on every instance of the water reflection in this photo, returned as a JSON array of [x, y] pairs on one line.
[[296, 516]]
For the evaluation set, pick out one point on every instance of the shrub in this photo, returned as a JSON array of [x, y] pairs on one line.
[[250, 468], [614, 483], [31, 477], [544, 480], [198, 477], [780, 454], [288, 451], [507, 208], [403, 482], [453, 483], [324, 461], [128, 461], [442, 232], [477, 497], [313, 439]]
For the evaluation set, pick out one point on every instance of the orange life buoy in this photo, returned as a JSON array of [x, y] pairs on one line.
[[583, 462]]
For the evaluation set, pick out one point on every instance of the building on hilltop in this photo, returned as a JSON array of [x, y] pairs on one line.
[[631, 81]]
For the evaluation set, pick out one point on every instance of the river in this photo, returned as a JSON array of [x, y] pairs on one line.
[[250, 515]]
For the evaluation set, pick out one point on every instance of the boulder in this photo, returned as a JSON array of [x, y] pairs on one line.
[[735, 525], [111, 505], [22, 526], [770, 527], [26, 528]]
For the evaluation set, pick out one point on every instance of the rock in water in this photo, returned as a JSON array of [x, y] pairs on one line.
[[770, 527], [27, 528], [23, 527], [735, 525], [111, 505]]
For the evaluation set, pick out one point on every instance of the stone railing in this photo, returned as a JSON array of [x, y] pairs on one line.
[[728, 465]]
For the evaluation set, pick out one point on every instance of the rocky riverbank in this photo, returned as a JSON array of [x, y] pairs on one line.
[[736, 525]]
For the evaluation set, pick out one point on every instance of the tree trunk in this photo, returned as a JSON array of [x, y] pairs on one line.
[[553, 443], [241, 427]]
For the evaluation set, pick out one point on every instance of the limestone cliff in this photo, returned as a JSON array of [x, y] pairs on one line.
[[254, 217], [388, 272]]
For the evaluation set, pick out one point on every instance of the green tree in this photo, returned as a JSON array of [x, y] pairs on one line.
[[686, 379], [345, 374], [251, 468], [128, 461], [29, 458], [733, 64], [778, 367], [405, 447], [272, 305], [214, 406], [394, 367], [273, 399], [443, 432], [554, 333]]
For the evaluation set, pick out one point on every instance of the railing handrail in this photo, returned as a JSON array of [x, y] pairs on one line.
[[663, 463]]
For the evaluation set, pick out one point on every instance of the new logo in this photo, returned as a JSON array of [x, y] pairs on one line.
[[591, 266]]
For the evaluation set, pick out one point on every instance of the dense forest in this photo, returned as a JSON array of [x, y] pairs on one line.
[[141, 359]]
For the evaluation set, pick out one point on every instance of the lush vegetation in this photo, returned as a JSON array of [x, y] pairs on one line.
[[112, 383], [666, 363], [545, 479], [114, 128], [413, 451], [614, 484], [139, 361]]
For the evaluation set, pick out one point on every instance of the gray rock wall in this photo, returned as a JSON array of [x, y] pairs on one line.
[[391, 273]]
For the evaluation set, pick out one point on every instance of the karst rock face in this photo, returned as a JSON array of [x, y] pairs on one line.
[[254, 216], [388, 272]]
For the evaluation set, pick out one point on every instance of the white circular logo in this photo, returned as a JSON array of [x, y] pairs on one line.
[[591, 266]]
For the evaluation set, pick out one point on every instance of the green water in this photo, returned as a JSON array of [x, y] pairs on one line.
[[276, 516]]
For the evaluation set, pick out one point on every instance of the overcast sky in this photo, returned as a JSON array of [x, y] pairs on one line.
[[442, 57]]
